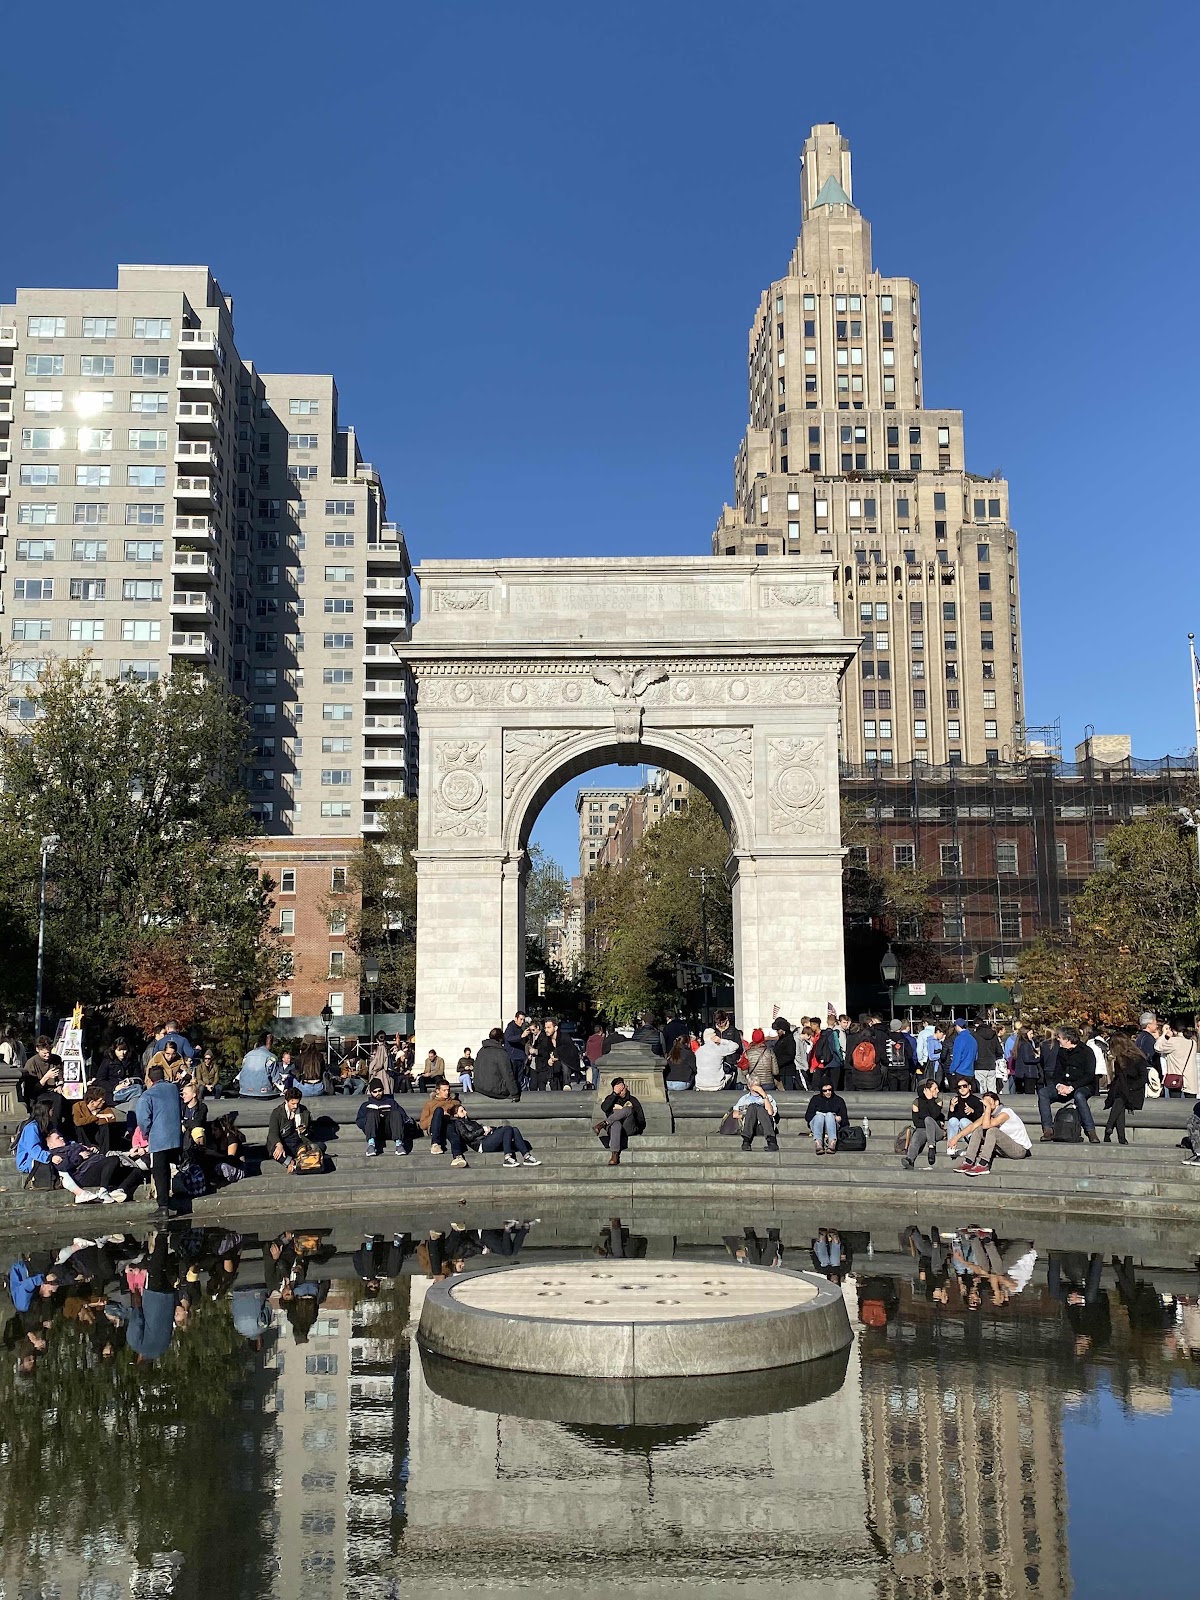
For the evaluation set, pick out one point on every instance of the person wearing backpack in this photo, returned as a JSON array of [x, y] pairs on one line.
[[1073, 1079], [866, 1070], [900, 1062]]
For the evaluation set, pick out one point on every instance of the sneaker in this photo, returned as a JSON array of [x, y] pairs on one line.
[[511, 1161], [530, 1160], [459, 1161], [400, 1150], [85, 1197], [436, 1150], [115, 1197], [978, 1170], [932, 1156], [1192, 1161], [371, 1150], [906, 1163]]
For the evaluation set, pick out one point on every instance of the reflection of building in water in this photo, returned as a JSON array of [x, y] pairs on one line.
[[965, 1469], [490, 1494], [333, 1398]]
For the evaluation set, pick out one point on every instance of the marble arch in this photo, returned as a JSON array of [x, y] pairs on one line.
[[531, 672]]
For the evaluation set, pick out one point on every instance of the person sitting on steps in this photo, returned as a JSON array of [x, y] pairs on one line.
[[929, 1125], [485, 1138], [826, 1116], [1073, 1078], [759, 1112], [999, 1131], [287, 1131], [966, 1108], [622, 1119], [437, 1121], [381, 1118]]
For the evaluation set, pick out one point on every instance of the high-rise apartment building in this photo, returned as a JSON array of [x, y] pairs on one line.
[[845, 461], [162, 505]]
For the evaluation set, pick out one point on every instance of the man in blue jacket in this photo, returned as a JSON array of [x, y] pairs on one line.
[[963, 1052], [160, 1117]]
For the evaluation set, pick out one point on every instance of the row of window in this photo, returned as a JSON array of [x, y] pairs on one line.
[[98, 327], [92, 513], [37, 589], [87, 630], [90, 549], [264, 712], [337, 880], [48, 475], [46, 366], [89, 440], [88, 403]]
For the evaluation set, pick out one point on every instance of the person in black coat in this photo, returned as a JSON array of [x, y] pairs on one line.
[[785, 1054], [1127, 1091], [1073, 1077], [494, 1073], [827, 1117], [623, 1119]]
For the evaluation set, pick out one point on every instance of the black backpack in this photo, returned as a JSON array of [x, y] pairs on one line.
[[851, 1139], [1067, 1127]]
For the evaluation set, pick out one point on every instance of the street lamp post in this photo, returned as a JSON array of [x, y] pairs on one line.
[[1017, 991], [703, 874], [49, 846], [370, 972], [327, 1018], [246, 1006], [935, 1006], [889, 971]]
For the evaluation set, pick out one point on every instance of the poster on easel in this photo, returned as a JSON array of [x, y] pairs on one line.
[[68, 1046]]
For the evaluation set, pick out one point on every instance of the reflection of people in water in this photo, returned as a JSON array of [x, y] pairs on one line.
[[1075, 1280], [749, 1250], [617, 1242], [377, 1259], [1005, 1267], [832, 1255], [933, 1262]]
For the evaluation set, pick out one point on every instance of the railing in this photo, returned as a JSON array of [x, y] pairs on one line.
[[190, 600], [1015, 771], [192, 561], [196, 411], [393, 688], [201, 487], [3, 482], [200, 527], [192, 643], [8, 335], [194, 450], [198, 339], [7, 375]]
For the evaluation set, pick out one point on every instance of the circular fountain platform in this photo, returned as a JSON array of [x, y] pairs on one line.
[[628, 1319]]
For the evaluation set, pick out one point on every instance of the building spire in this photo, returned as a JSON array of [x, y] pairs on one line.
[[825, 173]]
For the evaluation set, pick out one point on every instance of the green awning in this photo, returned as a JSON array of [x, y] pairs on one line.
[[954, 994]]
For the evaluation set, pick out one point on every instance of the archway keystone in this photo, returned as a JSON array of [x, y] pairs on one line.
[[530, 673]]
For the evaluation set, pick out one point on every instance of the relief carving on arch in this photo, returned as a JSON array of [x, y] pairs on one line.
[[460, 791], [796, 785], [733, 748], [522, 748]]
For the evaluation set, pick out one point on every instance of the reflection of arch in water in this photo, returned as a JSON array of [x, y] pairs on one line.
[[635, 1415], [577, 753]]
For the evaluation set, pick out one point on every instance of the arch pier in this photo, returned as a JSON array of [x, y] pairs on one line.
[[531, 672]]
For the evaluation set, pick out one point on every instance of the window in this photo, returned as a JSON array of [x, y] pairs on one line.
[[266, 677], [950, 640], [335, 746], [337, 713], [989, 669], [333, 777], [338, 675], [262, 713], [141, 589], [918, 700], [335, 808], [144, 514], [35, 549], [86, 629], [339, 508], [337, 963], [47, 327], [1006, 858], [143, 549], [337, 926], [37, 514], [146, 477], [33, 589], [337, 606], [139, 671], [88, 588], [266, 644], [339, 641], [303, 408], [1010, 919], [339, 541], [302, 441], [151, 327], [993, 508], [303, 473], [43, 400], [985, 611], [869, 728], [920, 729], [43, 366], [283, 1007], [92, 512], [954, 925], [148, 403], [989, 729], [337, 880], [150, 366], [287, 921], [951, 699], [99, 327], [90, 440], [954, 728], [141, 631], [40, 475], [31, 628], [93, 477], [989, 699], [147, 438]]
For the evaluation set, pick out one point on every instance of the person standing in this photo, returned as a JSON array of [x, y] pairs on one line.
[[160, 1117], [1127, 1091], [787, 1070], [1177, 1057], [988, 1055], [494, 1074], [964, 1051]]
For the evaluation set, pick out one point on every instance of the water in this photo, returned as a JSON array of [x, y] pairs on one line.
[[1022, 1425]]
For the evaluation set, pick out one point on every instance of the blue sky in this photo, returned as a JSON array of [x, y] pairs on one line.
[[528, 239]]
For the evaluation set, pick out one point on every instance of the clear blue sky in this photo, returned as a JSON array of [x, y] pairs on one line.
[[528, 240]]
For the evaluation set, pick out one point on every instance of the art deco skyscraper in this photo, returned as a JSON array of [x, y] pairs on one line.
[[844, 462]]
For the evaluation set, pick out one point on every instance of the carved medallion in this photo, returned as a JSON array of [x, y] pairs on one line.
[[460, 796], [795, 785]]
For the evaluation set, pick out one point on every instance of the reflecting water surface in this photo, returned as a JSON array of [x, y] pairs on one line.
[[203, 1413]]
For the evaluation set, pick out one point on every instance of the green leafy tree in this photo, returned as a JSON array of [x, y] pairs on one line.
[[647, 915], [382, 919], [545, 895], [139, 784], [1134, 936]]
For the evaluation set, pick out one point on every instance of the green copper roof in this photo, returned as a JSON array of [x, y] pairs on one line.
[[832, 194]]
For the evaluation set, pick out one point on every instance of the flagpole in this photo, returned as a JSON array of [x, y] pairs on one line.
[[1196, 716]]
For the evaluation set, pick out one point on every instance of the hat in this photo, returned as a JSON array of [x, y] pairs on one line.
[[1146, 1018], [758, 1037], [897, 1025]]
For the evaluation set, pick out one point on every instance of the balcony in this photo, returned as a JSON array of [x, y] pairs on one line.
[[389, 617], [3, 524], [384, 688], [384, 755], [3, 483], [203, 379], [195, 527], [188, 488], [385, 723], [7, 378], [198, 414], [198, 646], [382, 789], [382, 587], [8, 338], [195, 453], [5, 450], [192, 602], [6, 410], [385, 653], [201, 344], [193, 564]]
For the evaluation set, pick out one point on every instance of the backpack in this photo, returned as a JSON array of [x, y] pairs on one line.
[[1067, 1126], [896, 1057], [851, 1139], [863, 1059], [310, 1159]]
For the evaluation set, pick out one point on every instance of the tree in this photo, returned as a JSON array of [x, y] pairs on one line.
[[545, 895], [383, 921], [1134, 935], [884, 905], [139, 784], [646, 915]]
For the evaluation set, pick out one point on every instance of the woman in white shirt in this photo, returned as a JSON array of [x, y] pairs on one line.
[[710, 1060]]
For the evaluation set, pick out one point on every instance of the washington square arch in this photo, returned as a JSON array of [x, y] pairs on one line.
[[532, 672]]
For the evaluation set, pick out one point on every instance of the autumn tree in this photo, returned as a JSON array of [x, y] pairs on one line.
[[382, 919]]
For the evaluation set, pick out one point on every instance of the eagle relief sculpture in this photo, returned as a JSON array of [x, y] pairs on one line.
[[627, 684]]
